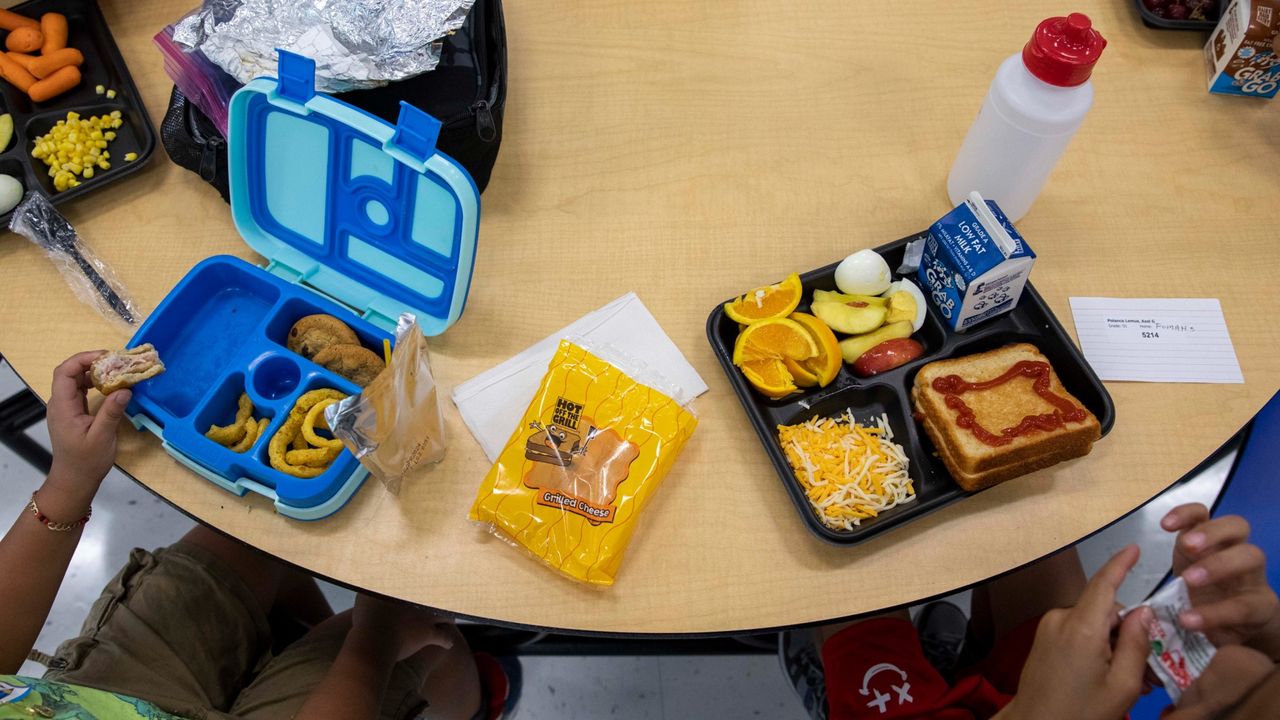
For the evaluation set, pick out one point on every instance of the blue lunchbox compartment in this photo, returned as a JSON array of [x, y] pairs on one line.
[[222, 331], [358, 219]]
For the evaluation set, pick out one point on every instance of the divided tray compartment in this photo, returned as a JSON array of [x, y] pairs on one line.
[[221, 332], [103, 65], [890, 393]]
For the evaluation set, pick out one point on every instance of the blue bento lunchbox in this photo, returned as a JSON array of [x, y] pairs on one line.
[[358, 219]]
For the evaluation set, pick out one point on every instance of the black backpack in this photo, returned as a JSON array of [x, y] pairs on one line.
[[466, 92]]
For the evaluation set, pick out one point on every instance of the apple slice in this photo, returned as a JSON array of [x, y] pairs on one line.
[[854, 317], [852, 348], [832, 296]]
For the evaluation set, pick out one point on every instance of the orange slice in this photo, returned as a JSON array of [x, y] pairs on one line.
[[803, 376], [776, 338], [768, 302], [826, 363], [769, 377]]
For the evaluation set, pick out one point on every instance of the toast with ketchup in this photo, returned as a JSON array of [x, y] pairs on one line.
[[996, 415]]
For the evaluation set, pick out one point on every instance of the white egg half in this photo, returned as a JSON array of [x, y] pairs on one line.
[[863, 273], [10, 193], [910, 287]]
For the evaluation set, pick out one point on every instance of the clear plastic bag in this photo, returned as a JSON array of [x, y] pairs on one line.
[[395, 424], [91, 279]]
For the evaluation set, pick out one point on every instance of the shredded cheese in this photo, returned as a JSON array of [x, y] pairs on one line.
[[850, 472]]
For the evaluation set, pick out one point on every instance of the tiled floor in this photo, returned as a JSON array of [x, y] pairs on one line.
[[569, 688]]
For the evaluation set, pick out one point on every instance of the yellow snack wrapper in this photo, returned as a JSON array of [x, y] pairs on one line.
[[589, 453]]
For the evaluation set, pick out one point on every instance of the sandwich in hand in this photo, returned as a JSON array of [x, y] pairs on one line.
[[1000, 414], [126, 368]]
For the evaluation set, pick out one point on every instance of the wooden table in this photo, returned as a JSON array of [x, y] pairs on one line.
[[688, 151]]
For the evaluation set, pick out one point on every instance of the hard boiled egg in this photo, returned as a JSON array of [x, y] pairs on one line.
[[10, 193], [910, 287], [863, 273]]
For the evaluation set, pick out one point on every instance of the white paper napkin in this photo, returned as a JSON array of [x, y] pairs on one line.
[[493, 402]]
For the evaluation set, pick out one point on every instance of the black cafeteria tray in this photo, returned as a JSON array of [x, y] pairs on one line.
[[1152, 20], [87, 32], [1031, 321]]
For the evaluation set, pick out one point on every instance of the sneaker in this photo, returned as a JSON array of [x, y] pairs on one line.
[[802, 663], [942, 628], [500, 682]]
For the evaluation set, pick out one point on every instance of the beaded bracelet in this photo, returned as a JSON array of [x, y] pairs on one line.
[[53, 524]]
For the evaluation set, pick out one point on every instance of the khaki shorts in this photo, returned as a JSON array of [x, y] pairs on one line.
[[179, 629]]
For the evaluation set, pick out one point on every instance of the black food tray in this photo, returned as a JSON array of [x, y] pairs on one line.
[[1152, 20], [87, 32], [1031, 321]]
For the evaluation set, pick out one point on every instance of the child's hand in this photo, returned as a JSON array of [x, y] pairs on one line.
[[1072, 672], [84, 445], [1227, 579], [1231, 674]]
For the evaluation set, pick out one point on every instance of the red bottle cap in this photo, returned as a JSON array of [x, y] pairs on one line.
[[1063, 50]]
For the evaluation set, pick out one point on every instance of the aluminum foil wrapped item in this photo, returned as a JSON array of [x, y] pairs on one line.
[[357, 44], [395, 423]]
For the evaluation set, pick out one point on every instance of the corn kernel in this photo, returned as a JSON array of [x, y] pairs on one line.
[[76, 148], [130, 157], [111, 94], [99, 89]]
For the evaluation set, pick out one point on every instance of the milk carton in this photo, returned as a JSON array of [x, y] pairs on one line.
[[1241, 53], [975, 264]]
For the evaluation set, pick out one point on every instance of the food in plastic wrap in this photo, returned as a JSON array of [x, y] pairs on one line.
[[395, 423], [590, 451], [90, 278], [356, 45]]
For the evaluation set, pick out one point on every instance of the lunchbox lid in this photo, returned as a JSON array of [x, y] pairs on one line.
[[370, 214]]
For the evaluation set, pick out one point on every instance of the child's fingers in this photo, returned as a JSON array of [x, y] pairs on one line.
[[1219, 532], [1230, 676], [1235, 611], [1097, 603], [70, 380], [1129, 658], [1233, 562], [109, 415], [1184, 516], [1115, 619]]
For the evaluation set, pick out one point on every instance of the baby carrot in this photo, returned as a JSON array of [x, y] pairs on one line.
[[24, 40], [61, 81], [15, 73], [46, 65], [22, 59], [54, 27], [13, 21]]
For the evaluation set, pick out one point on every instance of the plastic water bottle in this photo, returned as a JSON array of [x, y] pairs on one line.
[[1035, 105]]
